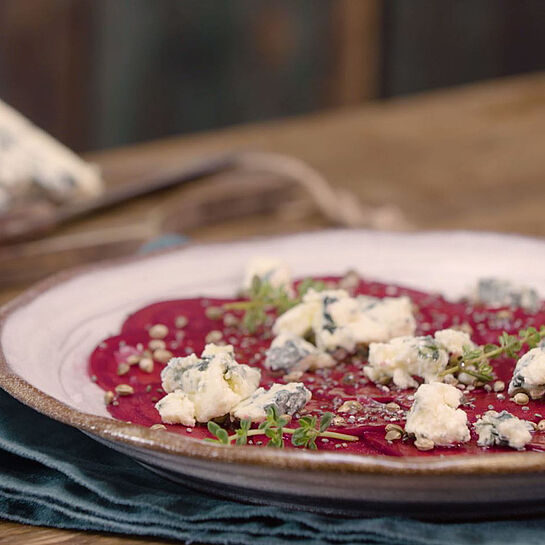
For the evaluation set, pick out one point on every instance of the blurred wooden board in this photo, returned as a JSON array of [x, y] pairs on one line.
[[466, 158], [469, 158]]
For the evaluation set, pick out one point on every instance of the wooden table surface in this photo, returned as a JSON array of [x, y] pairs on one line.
[[468, 158]]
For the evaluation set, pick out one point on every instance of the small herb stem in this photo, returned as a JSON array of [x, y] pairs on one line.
[[240, 305], [330, 434], [341, 436], [528, 337]]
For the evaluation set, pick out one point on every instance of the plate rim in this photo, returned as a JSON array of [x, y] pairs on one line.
[[293, 459]]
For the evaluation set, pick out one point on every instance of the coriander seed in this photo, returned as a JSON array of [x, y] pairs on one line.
[[230, 320], [162, 355], [521, 398], [133, 359], [123, 369], [424, 444], [156, 344], [124, 389], [181, 321], [213, 313], [394, 427], [499, 386], [146, 365], [158, 331], [214, 336], [393, 435]]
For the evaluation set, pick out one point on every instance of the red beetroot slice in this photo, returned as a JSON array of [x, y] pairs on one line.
[[330, 387]]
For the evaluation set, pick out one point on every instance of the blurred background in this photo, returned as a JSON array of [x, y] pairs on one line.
[[383, 114], [102, 73]]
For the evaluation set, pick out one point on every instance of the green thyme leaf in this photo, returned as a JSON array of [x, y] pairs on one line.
[[476, 361], [219, 432], [325, 421], [242, 432], [263, 297]]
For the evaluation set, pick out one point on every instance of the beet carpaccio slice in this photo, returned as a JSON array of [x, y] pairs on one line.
[[331, 388]]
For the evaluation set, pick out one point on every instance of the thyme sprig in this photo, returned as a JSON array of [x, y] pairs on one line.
[[263, 297], [476, 361], [273, 427]]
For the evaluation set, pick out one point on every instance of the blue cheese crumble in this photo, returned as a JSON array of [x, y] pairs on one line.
[[496, 292], [529, 374], [405, 357], [199, 389], [336, 320], [288, 399], [289, 353], [435, 416], [268, 269], [503, 429]]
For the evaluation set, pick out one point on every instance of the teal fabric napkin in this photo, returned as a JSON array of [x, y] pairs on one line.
[[53, 475]]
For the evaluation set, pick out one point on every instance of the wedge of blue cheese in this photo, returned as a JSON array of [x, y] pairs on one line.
[[435, 416], [289, 353], [288, 399], [503, 429], [426, 357], [200, 389], [529, 374], [32, 162], [336, 320], [497, 292]]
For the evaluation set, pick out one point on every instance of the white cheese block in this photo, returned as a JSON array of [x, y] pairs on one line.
[[340, 321], [33, 161], [503, 429], [288, 399], [214, 383], [529, 374], [268, 269], [177, 408], [288, 351], [404, 357], [435, 415], [454, 341], [497, 292]]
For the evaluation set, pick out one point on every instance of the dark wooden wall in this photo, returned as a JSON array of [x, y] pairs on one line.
[[99, 73], [429, 44]]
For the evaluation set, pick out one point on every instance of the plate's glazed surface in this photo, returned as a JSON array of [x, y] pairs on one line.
[[48, 333]]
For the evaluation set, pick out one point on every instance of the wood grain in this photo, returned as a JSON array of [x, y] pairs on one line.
[[13, 534], [467, 158]]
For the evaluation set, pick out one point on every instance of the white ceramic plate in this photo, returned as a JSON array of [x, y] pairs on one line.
[[47, 334]]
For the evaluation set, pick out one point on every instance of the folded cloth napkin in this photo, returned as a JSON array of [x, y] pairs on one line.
[[53, 475]]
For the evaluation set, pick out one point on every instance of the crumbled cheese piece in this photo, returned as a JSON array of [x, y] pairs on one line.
[[288, 351], [529, 374], [435, 415], [288, 399], [454, 341], [502, 429], [268, 269], [340, 321], [298, 320], [405, 357], [177, 408], [214, 383], [496, 292]]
